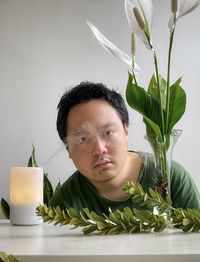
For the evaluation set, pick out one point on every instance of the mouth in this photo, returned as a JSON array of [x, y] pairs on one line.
[[103, 164]]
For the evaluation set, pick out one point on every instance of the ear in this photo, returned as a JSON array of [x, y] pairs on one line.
[[69, 154], [126, 129]]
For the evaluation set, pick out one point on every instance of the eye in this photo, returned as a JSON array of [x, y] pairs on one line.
[[82, 140], [108, 133]]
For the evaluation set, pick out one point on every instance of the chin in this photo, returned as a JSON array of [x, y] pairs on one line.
[[105, 176]]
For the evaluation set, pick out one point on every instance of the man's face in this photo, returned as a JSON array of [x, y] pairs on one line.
[[97, 140]]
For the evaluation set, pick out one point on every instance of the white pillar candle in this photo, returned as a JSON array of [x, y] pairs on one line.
[[26, 193]]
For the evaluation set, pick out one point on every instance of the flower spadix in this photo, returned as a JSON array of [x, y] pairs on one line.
[[183, 7], [139, 15], [113, 49]]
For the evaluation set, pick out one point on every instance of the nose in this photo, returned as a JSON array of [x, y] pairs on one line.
[[99, 147]]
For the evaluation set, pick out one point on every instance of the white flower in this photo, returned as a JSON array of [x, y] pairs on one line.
[[145, 9], [112, 48], [184, 8]]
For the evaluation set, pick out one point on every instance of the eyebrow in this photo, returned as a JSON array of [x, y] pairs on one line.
[[79, 132], [85, 130], [110, 124]]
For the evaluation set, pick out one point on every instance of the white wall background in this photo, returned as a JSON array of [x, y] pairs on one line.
[[46, 46]]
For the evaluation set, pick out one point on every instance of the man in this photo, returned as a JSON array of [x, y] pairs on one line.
[[93, 124]]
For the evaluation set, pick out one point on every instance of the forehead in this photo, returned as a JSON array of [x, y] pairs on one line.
[[96, 112]]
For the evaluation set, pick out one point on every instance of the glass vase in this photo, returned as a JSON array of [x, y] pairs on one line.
[[162, 153]]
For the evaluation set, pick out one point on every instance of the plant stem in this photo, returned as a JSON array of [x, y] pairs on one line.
[[168, 79], [159, 93], [158, 85], [161, 161], [133, 52], [133, 73]]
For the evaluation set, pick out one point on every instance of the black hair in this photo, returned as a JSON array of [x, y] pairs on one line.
[[85, 92]]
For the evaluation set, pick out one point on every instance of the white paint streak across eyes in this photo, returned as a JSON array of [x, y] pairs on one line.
[[86, 133]]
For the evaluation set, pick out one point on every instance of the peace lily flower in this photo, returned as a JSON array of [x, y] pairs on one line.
[[139, 15], [183, 7], [110, 47]]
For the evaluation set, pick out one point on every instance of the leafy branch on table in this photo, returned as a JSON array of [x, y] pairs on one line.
[[127, 220]]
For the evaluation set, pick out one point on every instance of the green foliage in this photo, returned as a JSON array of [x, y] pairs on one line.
[[5, 208], [47, 189], [128, 220], [147, 200], [187, 220], [32, 160], [47, 186], [153, 90], [140, 100], [149, 104], [161, 106], [177, 105], [57, 187], [8, 258]]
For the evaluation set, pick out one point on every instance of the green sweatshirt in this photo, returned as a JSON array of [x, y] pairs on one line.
[[78, 192]]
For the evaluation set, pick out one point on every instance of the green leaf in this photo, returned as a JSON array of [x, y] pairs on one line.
[[100, 225], [190, 214], [87, 212], [159, 228], [141, 214], [3, 256], [142, 102], [12, 258], [153, 130], [113, 217], [58, 218], [152, 193], [51, 213], [197, 214], [47, 189], [187, 228], [177, 104], [196, 227], [153, 90], [89, 229], [73, 213], [115, 230], [75, 221], [57, 187], [128, 211], [7, 258], [5, 208], [134, 229], [139, 188], [32, 160], [96, 217]]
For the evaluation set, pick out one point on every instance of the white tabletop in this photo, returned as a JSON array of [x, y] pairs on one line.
[[46, 242]]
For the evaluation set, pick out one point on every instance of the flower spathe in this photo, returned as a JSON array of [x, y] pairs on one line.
[[187, 6], [184, 7], [145, 9], [113, 49]]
